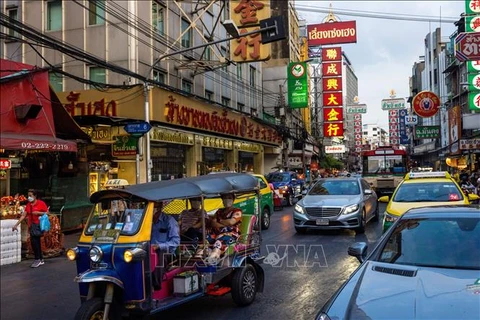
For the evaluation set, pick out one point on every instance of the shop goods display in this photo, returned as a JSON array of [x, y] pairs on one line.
[[10, 243]]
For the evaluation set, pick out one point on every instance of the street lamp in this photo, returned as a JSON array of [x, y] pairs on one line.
[[272, 24]]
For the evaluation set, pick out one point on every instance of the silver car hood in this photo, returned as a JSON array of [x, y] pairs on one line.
[[433, 293], [330, 201]]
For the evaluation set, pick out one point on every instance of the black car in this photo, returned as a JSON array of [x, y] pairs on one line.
[[426, 266]]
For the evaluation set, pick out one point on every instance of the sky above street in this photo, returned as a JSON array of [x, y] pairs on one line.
[[386, 49]]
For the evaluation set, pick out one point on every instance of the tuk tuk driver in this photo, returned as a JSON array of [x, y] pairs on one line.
[[225, 226], [165, 239]]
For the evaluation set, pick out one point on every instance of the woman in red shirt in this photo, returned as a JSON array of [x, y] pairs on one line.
[[33, 210]]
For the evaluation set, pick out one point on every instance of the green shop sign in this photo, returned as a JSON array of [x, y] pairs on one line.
[[125, 145], [427, 132], [297, 85], [472, 7], [359, 108], [472, 23], [474, 101], [474, 82], [393, 104], [473, 67]]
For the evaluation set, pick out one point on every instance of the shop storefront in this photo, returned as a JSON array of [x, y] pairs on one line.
[[188, 138]]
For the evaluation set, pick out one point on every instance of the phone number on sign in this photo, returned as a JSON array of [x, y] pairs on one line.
[[45, 145]]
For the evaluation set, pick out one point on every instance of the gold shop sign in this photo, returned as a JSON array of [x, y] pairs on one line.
[[164, 135], [101, 134], [249, 147], [220, 143]]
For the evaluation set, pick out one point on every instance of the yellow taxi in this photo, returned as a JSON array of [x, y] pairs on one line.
[[420, 189]]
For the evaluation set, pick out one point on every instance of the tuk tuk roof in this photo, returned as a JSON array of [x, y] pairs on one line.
[[206, 186]]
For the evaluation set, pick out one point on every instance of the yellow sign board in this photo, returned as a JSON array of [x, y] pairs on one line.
[[244, 14]]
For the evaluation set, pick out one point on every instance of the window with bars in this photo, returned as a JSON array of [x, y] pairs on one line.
[[54, 15], [158, 18], [96, 12]]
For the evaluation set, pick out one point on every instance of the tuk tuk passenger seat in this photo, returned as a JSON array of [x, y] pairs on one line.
[[246, 231]]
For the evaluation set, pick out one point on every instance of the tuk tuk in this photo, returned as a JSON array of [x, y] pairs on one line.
[[116, 262]]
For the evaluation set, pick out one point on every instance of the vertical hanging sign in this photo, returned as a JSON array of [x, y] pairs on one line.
[[297, 85]]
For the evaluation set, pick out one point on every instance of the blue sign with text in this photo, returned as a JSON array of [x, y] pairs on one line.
[[404, 132], [138, 128]]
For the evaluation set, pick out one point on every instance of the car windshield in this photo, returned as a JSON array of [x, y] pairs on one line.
[[123, 215], [428, 192], [445, 243], [335, 187], [278, 177]]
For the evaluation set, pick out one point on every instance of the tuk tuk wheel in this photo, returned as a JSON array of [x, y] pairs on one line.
[[93, 310], [265, 218], [244, 285]]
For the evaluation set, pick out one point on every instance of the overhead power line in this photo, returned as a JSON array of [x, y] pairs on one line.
[[377, 15]]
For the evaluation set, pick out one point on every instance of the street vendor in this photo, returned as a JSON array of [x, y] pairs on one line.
[[224, 226], [33, 210]]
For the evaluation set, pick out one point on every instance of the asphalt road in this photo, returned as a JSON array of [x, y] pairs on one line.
[[313, 267]]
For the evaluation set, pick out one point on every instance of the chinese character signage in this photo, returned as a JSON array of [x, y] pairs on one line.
[[474, 101], [244, 14], [332, 33], [426, 104], [333, 129], [332, 114], [472, 7], [427, 132], [393, 104], [332, 99], [393, 128], [331, 69], [297, 85], [473, 66], [5, 164], [332, 54], [357, 131], [332, 84], [474, 82], [472, 24]]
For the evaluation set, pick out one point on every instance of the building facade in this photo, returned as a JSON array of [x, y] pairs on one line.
[[203, 82], [374, 136]]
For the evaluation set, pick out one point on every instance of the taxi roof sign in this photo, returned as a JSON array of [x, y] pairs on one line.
[[116, 183], [424, 175]]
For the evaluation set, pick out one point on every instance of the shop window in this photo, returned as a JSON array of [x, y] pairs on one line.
[[214, 160], [98, 75], [13, 14], [187, 86], [187, 36], [158, 19], [245, 160], [54, 15], [168, 161], [96, 12], [56, 81]]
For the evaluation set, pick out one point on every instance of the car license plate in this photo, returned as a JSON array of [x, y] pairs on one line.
[[322, 222]]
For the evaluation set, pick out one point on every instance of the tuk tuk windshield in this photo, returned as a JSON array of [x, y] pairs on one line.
[[124, 215]]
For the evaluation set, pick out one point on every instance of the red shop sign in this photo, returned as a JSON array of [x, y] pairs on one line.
[[332, 99], [330, 69], [332, 84], [333, 129], [332, 33], [426, 104], [332, 114], [332, 54]]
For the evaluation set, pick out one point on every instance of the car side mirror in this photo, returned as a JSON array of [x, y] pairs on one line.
[[358, 250], [383, 199], [368, 192]]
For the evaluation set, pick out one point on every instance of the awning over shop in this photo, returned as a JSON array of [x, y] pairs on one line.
[[31, 116], [14, 141]]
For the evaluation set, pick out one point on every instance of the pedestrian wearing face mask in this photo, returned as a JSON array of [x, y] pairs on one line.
[[190, 221], [33, 210], [224, 226]]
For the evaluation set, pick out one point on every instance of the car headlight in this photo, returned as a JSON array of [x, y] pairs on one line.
[[350, 209], [389, 218], [322, 316], [72, 254], [299, 209], [96, 254]]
